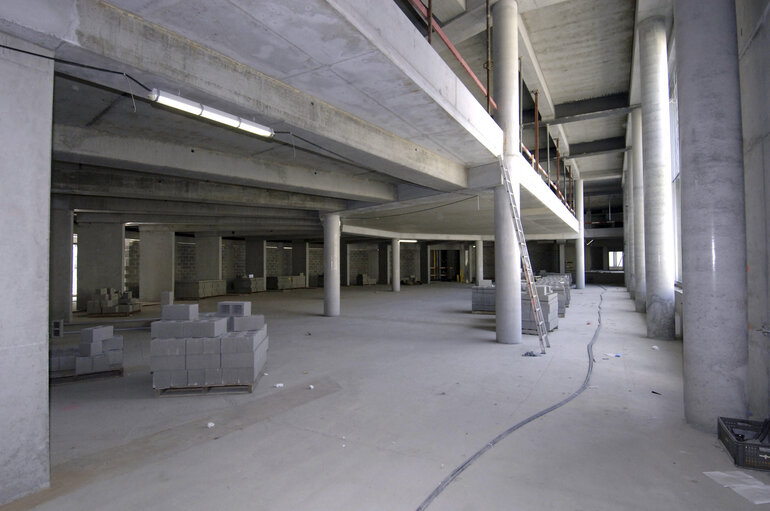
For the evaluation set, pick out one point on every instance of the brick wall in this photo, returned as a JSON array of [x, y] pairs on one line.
[[410, 261], [132, 266], [278, 260], [315, 264], [185, 260], [233, 259]]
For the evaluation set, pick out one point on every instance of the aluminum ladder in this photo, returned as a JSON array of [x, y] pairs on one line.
[[526, 264]]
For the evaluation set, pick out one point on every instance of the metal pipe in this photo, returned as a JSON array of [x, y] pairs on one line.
[[488, 64], [537, 132], [548, 151], [430, 22], [424, 11], [557, 163]]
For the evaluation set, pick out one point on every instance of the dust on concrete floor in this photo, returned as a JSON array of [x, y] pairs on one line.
[[406, 387]]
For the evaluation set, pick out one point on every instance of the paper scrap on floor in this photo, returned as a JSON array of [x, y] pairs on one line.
[[743, 484]]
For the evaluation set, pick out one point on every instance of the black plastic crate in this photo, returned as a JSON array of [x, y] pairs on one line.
[[738, 437]]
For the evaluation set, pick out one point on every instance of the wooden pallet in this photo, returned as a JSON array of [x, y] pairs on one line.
[[69, 376], [204, 390]]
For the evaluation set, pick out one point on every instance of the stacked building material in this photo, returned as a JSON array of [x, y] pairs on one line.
[[286, 282], [249, 284], [191, 350], [483, 299], [99, 351], [560, 283], [364, 279], [110, 301], [549, 305]]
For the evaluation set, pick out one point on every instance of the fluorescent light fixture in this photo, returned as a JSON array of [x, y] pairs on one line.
[[408, 241], [219, 116], [257, 129], [212, 114]]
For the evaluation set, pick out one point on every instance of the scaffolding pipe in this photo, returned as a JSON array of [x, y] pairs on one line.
[[537, 133], [488, 65]]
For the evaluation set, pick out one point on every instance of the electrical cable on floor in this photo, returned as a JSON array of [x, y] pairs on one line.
[[457, 471]]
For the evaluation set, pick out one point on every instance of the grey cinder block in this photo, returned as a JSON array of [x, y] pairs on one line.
[[243, 342], [196, 377], [207, 361], [184, 311], [113, 343], [83, 365], [238, 376], [245, 323], [114, 357], [168, 363], [166, 329], [208, 327], [167, 298], [237, 360], [169, 379], [67, 363], [96, 333], [234, 308], [168, 347], [89, 349], [100, 363], [213, 376]]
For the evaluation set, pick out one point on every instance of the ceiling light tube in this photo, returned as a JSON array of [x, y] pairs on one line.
[[177, 102], [408, 241], [221, 117], [257, 129]]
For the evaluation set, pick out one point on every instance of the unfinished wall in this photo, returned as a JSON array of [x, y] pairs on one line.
[[315, 264], [26, 96], [185, 259], [754, 62], [278, 260], [233, 259], [132, 265], [410, 260]]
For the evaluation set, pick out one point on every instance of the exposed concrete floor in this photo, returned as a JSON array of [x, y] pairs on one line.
[[407, 386]]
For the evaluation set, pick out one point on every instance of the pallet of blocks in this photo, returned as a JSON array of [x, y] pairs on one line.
[[549, 305], [100, 353], [110, 301], [193, 353]]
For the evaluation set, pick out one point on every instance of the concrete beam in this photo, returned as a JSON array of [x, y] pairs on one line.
[[169, 60], [151, 218], [81, 145], [106, 182], [381, 233], [599, 175], [584, 110], [598, 147]]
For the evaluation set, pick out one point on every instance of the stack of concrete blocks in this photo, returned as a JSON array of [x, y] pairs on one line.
[[286, 282], [549, 305], [100, 351], [200, 288], [189, 349], [561, 286], [249, 284], [365, 280], [166, 297], [483, 298], [110, 301], [62, 360]]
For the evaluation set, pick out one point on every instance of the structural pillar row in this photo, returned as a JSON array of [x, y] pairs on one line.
[[580, 242], [658, 200], [640, 286], [713, 215], [628, 229], [331, 224], [507, 252], [396, 269]]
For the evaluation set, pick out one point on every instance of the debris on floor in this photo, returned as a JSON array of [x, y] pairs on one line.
[[278, 385], [655, 348], [210, 425], [311, 387], [531, 354], [657, 393]]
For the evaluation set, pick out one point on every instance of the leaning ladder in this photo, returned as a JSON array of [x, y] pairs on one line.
[[542, 330]]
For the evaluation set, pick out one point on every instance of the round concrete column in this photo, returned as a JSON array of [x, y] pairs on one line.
[[628, 229], [580, 242], [640, 287], [479, 261], [658, 202], [506, 93], [331, 223], [396, 268], [713, 215]]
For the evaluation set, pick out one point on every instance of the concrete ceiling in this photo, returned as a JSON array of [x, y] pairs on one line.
[[372, 112]]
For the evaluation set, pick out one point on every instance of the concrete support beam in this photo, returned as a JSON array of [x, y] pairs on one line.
[[597, 148], [658, 201], [640, 281], [331, 223], [479, 261], [208, 257], [101, 259], [300, 259], [60, 275], [713, 216], [82, 145], [507, 252], [580, 242], [396, 250], [157, 263], [26, 96], [256, 257], [106, 182]]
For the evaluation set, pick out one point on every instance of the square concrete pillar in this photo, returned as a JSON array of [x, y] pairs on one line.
[[60, 267], [157, 262], [300, 259], [101, 259], [256, 257], [26, 98], [208, 257]]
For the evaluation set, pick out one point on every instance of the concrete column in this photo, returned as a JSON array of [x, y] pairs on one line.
[[256, 257], [640, 286], [506, 92], [157, 262], [331, 223], [101, 259], [658, 202], [580, 242], [300, 259], [60, 271], [562, 257], [208, 257], [628, 227], [383, 275], [26, 96], [713, 216], [396, 279], [479, 261]]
